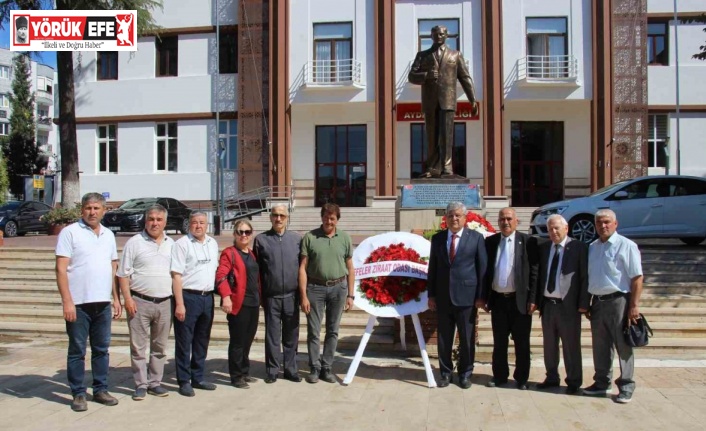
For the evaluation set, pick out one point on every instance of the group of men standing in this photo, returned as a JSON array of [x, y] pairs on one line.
[[512, 275], [165, 282]]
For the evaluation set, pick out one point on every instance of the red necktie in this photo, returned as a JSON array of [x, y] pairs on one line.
[[452, 249]]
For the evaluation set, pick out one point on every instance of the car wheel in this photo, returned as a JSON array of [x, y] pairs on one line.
[[10, 229], [692, 240], [583, 228], [185, 226]]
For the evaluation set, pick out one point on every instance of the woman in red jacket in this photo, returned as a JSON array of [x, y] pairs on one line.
[[238, 283]]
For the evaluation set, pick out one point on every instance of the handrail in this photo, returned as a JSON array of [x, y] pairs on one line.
[[256, 201], [549, 67], [333, 72]]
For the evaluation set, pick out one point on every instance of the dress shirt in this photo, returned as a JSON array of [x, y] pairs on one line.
[[612, 265], [509, 242], [147, 264], [458, 234], [557, 290], [196, 262]]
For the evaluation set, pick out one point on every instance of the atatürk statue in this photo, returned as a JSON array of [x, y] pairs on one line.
[[436, 70]]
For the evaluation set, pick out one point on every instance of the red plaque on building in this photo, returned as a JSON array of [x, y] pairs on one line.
[[413, 112]]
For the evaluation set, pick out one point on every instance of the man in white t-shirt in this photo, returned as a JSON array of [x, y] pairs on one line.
[[194, 264], [146, 284], [86, 260]]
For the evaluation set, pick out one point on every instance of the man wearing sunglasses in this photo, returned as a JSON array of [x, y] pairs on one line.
[[277, 252], [193, 268]]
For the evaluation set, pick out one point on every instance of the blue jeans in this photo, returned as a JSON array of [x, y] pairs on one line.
[[92, 323]]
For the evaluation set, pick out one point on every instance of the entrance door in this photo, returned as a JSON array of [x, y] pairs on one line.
[[341, 165], [537, 166]]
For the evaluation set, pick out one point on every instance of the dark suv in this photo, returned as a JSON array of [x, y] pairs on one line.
[[130, 216]]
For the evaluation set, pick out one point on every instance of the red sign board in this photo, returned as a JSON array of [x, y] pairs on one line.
[[413, 112]]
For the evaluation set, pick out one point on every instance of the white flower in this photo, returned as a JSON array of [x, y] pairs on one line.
[[474, 225]]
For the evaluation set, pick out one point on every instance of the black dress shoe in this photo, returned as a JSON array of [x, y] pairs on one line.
[[240, 383], [464, 383], [250, 379], [204, 386], [547, 384], [493, 383], [296, 378], [522, 386], [444, 381], [270, 379], [327, 377], [573, 390]]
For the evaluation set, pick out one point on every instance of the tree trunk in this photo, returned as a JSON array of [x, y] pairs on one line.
[[70, 185]]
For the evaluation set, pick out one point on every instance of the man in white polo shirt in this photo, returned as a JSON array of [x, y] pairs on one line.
[[146, 284], [615, 281], [194, 264], [86, 259]]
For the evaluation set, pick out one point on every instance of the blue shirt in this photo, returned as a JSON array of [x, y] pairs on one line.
[[612, 265]]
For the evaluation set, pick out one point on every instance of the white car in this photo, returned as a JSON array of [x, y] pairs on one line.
[[663, 206]]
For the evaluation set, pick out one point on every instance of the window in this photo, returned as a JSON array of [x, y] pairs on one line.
[[108, 149], [5, 72], [333, 52], [41, 112], [167, 56], [657, 140], [167, 147], [4, 129], [45, 84], [107, 65], [4, 101], [649, 188], [420, 151], [425, 26], [547, 48], [228, 137], [657, 51], [228, 52]]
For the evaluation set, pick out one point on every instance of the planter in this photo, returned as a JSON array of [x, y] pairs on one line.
[[54, 229]]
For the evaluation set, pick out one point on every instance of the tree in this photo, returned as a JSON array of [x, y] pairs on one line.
[[70, 186], [4, 180], [700, 55], [20, 150]]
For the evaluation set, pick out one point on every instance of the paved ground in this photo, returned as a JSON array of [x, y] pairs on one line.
[[387, 394]]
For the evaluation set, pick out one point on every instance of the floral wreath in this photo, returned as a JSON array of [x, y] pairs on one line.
[[474, 222], [393, 290]]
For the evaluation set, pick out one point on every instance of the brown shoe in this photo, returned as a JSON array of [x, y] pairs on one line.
[[79, 403], [105, 398]]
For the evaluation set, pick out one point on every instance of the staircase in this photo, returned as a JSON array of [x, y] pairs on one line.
[[674, 301], [363, 221]]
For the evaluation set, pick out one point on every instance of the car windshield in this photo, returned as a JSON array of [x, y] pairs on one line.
[[609, 188], [10, 206], [142, 203]]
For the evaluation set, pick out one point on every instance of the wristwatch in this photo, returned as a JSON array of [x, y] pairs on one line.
[[351, 296]]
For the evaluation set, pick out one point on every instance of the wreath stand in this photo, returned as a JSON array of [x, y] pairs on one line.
[[366, 337]]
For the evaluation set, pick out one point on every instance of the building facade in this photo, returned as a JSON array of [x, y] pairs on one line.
[[328, 108]]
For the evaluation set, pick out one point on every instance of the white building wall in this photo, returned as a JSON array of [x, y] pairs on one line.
[[692, 144]]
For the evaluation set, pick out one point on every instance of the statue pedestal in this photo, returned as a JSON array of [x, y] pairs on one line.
[[493, 204], [424, 200]]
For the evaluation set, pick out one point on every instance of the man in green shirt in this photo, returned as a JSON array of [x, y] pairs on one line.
[[326, 282]]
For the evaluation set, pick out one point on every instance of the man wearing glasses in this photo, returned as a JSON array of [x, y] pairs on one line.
[[193, 268], [277, 252]]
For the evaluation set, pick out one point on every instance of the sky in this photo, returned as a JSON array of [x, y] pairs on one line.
[[48, 58]]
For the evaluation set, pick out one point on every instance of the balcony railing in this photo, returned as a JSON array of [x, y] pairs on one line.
[[548, 69], [45, 95], [333, 73], [45, 122]]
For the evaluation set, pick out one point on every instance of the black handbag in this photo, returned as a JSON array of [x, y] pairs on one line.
[[637, 334]]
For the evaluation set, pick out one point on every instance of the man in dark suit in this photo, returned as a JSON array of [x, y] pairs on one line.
[[563, 296], [437, 69], [457, 263], [509, 292]]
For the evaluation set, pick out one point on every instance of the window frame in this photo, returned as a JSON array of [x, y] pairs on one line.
[[545, 70], [653, 140], [112, 57], [651, 42], [4, 100], [229, 36], [104, 145], [4, 129], [169, 46], [4, 67], [228, 135], [166, 141], [334, 74], [456, 36]]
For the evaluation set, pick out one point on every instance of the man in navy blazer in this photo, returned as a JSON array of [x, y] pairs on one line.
[[457, 264]]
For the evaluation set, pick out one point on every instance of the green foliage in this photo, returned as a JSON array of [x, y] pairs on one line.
[[60, 215], [4, 180], [20, 149], [701, 19]]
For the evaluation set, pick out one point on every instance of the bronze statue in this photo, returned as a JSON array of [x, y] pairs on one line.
[[436, 70]]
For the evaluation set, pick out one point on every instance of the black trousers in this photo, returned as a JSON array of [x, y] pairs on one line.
[[282, 328], [507, 320], [242, 328], [192, 337], [463, 318]]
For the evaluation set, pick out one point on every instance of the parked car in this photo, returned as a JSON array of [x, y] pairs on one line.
[[17, 218], [130, 216], [662, 206]]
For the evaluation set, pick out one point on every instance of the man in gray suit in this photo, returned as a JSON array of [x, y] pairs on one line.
[[437, 69], [563, 297], [457, 264]]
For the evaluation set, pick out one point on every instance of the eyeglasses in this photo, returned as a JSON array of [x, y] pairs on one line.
[[243, 232], [278, 215]]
